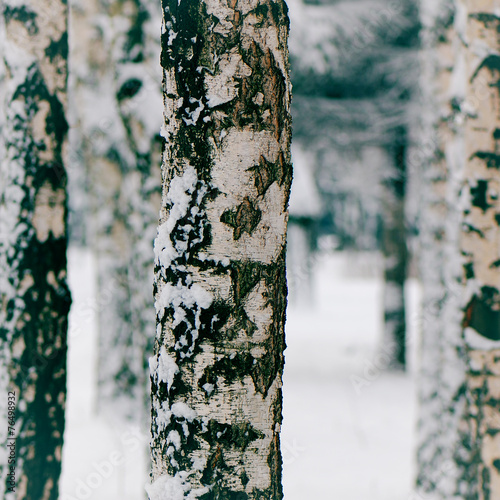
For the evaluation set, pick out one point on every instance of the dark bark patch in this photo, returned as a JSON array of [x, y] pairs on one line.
[[495, 264], [215, 465], [58, 48], [244, 219], [492, 160], [469, 271], [480, 195], [469, 228], [267, 80], [483, 313], [267, 172], [129, 89], [488, 19], [230, 368], [22, 14], [238, 435], [490, 63]]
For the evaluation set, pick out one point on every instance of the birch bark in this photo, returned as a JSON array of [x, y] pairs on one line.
[[480, 245], [220, 291], [459, 455], [34, 297]]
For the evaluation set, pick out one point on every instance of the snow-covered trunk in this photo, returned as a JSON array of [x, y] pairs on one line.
[[440, 157], [480, 245], [34, 297], [395, 254], [117, 101], [220, 291]]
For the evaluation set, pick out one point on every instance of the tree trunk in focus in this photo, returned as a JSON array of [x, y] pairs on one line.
[[220, 291]]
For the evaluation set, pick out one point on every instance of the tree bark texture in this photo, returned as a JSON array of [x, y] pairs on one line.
[[460, 420], [34, 297], [117, 101], [480, 245], [220, 291]]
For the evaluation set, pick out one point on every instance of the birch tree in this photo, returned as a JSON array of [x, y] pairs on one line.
[[440, 159], [220, 290], [459, 454], [117, 107], [34, 297], [480, 245]]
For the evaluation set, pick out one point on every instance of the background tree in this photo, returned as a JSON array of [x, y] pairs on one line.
[[458, 456], [116, 102], [440, 159], [353, 78], [34, 298], [220, 290]]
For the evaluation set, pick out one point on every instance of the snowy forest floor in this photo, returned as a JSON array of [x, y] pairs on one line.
[[348, 430]]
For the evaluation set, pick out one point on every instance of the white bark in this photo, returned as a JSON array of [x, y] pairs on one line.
[[220, 279]]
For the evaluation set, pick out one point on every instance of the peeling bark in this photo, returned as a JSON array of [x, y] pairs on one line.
[[34, 297], [220, 290]]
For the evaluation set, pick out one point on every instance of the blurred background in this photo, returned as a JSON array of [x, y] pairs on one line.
[[354, 294]]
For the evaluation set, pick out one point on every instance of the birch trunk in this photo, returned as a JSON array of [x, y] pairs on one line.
[[395, 254], [117, 98], [34, 297], [441, 381], [459, 453], [480, 245], [220, 291]]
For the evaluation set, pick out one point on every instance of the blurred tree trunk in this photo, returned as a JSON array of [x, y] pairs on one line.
[[34, 297], [395, 254], [440, 158], [117, 98], [480, 245], [459, 453], [220, 287]]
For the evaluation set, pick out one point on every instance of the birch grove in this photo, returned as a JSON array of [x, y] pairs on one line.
[[220, 289], [34, 297]]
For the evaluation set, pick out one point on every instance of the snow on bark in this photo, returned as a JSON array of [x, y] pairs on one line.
[[34, 297], [117, 106], [442, 368], [220, 287]]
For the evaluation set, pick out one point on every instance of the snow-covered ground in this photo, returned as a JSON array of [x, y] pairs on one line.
[[348, 423]]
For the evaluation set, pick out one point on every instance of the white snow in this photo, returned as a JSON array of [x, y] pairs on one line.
[[182, 410], [179, 196], [173, 488], [163, 366], [336, 443]]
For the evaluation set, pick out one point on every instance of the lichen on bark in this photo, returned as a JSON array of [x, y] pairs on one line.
[[220, 289]]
